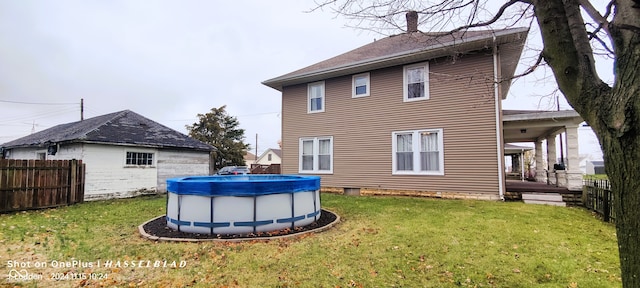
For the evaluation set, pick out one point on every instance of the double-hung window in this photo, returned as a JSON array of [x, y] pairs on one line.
[[418, 152], [315, 97], [416, 82], [139, 158], [360, 85], [316, 155]]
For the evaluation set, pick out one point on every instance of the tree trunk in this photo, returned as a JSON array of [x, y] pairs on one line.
[[622, 160], [619, 135], [619, 132], [613, 113]]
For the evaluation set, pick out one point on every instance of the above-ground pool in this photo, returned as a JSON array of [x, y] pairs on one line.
[[242, 204]]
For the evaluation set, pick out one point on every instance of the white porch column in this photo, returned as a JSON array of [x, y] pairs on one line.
[[541, 176], [574, 175], [551, 158]]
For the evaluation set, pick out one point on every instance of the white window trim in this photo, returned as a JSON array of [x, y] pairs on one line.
[[416, 152], [316, 149], [153, 160], [309, 96], [405, 89], [353, 85]]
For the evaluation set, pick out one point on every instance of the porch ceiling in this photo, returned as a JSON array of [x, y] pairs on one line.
[[528, 126]]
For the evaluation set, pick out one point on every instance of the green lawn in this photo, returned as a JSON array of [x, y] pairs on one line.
[[381, 242], [595, 177]]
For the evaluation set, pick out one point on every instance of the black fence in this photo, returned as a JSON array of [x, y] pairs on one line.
[[597, 197]]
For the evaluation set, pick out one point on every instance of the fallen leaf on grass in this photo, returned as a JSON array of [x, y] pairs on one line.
[[489, 276]]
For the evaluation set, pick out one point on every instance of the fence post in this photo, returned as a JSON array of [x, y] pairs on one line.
[[584, 193], [71, 196], [605, 205]]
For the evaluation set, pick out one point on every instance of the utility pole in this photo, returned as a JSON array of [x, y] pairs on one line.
[[256, 147], [81, 109]]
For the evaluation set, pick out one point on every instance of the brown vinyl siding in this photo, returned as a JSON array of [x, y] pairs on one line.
[[461, 103]]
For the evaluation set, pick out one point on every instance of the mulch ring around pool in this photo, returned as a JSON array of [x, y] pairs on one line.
[[156, 229]]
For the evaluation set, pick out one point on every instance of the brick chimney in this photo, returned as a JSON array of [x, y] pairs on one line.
[[412, 21]]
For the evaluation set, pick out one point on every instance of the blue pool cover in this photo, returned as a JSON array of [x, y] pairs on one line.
[[242, 185]]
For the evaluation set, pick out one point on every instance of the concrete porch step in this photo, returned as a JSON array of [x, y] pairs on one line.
[[554, 199]]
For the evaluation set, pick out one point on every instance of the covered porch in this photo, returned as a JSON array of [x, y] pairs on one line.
[[550, 165]]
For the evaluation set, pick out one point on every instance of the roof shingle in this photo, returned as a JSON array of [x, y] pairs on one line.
[[120, 128], [397, 50]]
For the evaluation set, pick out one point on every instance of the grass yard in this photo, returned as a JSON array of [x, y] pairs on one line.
[[381, 242]]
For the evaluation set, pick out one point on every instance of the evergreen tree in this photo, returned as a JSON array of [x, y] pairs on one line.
[[220, 130]]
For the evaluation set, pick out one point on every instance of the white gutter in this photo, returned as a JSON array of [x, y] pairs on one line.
[[498, 130]]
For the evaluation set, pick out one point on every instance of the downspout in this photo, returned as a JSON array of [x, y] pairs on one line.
[[498, 124]]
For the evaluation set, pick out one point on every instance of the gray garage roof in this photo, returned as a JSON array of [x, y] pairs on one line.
[[119, 128]]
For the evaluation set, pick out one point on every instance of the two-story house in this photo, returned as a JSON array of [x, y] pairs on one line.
[[411, 114]]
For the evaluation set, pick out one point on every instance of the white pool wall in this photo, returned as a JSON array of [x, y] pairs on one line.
[[235, 214]]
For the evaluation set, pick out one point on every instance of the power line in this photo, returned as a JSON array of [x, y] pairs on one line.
[[36, 103], [38, 115]]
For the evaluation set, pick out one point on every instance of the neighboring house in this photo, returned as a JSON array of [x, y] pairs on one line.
[[250, 158], [410, 114], [125, 153], [270, 156], [595, 167]]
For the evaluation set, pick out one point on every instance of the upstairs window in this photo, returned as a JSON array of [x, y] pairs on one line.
[[315, 97], [416, 82], [360, 85], [139, 159]]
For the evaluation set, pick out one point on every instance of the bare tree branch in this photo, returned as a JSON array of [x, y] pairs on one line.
[[595, 15], [531, 68], [603, 23], [495, 18]]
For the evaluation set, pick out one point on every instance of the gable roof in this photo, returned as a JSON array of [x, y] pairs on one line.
[[119, 128], [248, 156], [404, 49], [278, 153]]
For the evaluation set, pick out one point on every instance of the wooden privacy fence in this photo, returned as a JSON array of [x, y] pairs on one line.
[[597, 197], [265, 169], [34, 184]]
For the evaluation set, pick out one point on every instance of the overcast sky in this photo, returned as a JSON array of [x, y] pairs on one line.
[[170, 60]]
